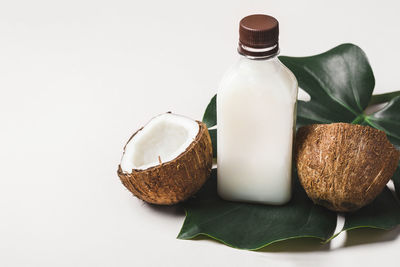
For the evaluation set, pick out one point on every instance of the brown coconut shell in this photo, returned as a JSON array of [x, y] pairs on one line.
[[342, 166], [173, 181]]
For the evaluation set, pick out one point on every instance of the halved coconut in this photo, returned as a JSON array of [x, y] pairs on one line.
[[344, 166], [167, 160]]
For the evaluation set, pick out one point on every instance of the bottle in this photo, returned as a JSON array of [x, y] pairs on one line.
[[256, 113]]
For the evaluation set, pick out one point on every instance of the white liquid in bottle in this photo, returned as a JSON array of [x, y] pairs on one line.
[[256, 112]]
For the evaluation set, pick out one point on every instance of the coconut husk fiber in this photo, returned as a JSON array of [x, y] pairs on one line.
[[342, 166]]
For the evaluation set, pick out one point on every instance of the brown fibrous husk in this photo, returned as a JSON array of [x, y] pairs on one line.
[[342, 166], [176, 180]]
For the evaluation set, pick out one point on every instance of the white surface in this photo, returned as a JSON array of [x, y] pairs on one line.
[[72, 73], [256, 94], [162, 139]]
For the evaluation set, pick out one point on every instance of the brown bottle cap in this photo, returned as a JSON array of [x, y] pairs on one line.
[[258, 36]]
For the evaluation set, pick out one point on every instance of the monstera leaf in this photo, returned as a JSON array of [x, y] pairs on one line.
[[340, 83], [210, 115], [386, 119], [396, 181], [252, 226], [210, 119]]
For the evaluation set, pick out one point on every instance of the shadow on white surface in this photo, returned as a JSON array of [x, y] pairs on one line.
[[170, 211]]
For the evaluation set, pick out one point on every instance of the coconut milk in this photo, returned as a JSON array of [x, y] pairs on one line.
[[256, 111]]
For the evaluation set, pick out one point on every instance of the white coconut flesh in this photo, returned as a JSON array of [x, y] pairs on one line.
[[163, 139]]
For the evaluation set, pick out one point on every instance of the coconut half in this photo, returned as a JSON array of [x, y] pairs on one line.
[[167, 160], [344, 166]]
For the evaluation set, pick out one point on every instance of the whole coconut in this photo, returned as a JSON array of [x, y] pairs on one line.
[[344, 166]]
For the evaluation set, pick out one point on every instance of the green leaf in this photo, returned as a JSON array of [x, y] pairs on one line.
[[340, 83], [210, 119], [396, 181], [253, 226], [382, 98], [210, 116], [383, 213], [213, 135], [388, 120]]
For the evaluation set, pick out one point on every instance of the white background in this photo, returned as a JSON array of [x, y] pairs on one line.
[[77, 78]]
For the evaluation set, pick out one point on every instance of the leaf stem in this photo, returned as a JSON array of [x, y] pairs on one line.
[[360, 118]]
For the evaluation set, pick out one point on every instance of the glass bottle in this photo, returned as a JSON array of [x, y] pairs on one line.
[[256, 113]]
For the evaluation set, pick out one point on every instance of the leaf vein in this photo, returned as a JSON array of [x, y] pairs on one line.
[[323, 87]]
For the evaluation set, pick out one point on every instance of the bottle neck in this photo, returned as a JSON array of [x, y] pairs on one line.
[[258, 53]]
